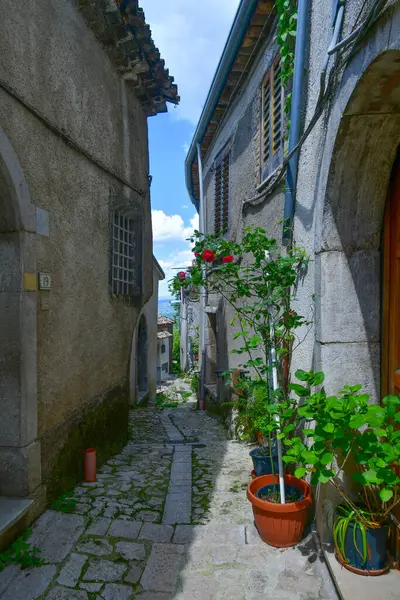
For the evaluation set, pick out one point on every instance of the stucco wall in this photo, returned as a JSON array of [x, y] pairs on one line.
[[50, 57]]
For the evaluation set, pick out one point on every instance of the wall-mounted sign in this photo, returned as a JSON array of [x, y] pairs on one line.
[[44, 281]]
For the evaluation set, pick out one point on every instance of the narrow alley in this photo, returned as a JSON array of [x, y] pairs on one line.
[[167, 519]]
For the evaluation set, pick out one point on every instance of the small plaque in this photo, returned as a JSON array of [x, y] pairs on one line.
[[44, 281], [44, 301]]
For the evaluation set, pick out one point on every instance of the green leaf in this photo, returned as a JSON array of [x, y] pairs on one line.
[[299, 389], [327, 458], [329, 428], [357, 421], [300, 472], [310, 457], [301, 375], [386, 494]]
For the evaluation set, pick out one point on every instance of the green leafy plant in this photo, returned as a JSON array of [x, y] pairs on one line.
[[21, 553], [257, 281], [286, 37], [343, 426], [64, 503]]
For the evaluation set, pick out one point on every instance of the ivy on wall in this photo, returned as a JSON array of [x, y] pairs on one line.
[[286, 39]]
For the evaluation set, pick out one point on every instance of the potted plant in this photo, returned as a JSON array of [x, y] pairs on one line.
[[340, 428], [255, 279]]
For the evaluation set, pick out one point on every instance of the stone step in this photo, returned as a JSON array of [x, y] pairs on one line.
[[11, 511]]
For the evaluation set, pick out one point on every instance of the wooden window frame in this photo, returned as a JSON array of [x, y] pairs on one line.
[[272, 134], [222, 167]]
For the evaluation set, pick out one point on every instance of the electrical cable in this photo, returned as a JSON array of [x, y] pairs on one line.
[[67, 139]]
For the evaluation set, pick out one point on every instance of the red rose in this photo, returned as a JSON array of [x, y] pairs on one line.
[[181, 275], [197, 254], [208, 256], [227, 259], [291, 313]]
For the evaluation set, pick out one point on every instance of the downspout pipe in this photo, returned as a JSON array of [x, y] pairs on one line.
[[295, 120], [203, 298]]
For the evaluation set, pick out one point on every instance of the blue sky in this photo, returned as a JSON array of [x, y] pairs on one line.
[[190, 36]]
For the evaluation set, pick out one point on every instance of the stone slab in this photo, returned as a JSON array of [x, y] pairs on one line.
[[72, 569], [156, 533], [153, 596], [353, 586], [30, 584], [115, 591], [55, 533], [125, 529], [163, 568], [134, 575], [131, 550], [99, 527], [61, 593], [105, 570], [95, 546], [11, 510], [197, 588], [178, 508], [7, 575]]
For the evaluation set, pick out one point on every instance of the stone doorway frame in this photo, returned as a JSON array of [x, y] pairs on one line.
[[20, 457]]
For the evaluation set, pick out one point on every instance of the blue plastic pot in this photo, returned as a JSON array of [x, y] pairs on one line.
[[262, 462], [377, 543]]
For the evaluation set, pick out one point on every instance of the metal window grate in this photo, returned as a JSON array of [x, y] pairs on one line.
[[123, 245]]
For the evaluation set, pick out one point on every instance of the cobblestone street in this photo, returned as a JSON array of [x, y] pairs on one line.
[[165, 520]]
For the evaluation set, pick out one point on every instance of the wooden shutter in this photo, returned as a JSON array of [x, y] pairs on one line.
[[218, 198], [225, 195], [277, 111], [266, 118], [272, 119], [221, 218]]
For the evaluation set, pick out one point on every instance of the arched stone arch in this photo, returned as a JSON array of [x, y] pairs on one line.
[[349, 226], [20, 472]]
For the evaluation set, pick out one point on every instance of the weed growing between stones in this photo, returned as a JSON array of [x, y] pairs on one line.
[[64, 503], [21, 553], [201, 492]]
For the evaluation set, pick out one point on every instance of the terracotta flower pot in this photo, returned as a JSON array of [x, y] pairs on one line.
[[280, 525], [90, 465]]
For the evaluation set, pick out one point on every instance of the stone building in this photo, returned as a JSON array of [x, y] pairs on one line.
[[144, 372], [165, 341], [77, 83], [340, 195]]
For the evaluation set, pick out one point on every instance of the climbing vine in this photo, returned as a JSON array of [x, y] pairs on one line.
[[286, 38]]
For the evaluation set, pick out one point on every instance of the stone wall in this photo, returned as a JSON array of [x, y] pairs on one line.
[[51, 59], [241, 127]]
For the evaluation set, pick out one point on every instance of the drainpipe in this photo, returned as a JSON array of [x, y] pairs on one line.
[[203, 293], [295, 118]]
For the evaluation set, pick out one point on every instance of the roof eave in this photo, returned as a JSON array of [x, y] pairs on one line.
[[243, 15]]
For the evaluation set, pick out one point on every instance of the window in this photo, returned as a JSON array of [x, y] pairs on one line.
[[125, 276], [272, 120], [165, 367], [163, 349], [221, 219]]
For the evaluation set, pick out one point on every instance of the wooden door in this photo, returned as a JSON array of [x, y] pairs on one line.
[[391, 308]]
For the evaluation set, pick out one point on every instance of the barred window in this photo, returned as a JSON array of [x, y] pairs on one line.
[[221, 218], [163, 349], [125, 256], [272, 120]]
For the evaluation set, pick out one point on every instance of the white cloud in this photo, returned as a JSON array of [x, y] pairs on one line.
[[190, 37], [171, 227], [185, 206]]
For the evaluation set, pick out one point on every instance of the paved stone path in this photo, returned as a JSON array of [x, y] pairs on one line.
[[165, 521]]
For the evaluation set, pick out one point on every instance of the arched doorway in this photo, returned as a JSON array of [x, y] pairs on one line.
[[352, 324], [142, 347], [20, 463]]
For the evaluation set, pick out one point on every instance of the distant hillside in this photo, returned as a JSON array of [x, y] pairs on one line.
[[165, 307]]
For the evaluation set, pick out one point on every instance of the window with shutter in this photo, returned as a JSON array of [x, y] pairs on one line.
[[272, 120], [221, 218]]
